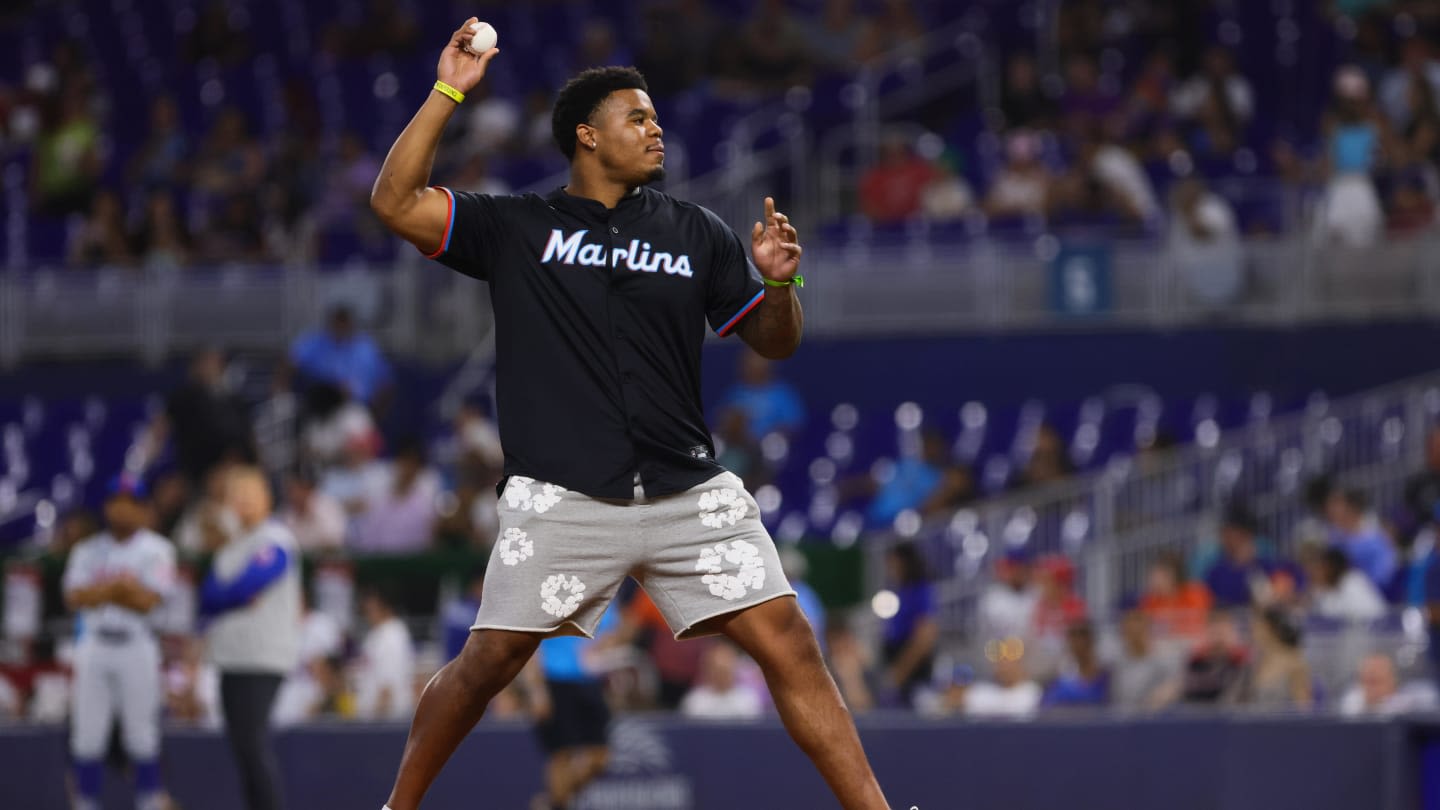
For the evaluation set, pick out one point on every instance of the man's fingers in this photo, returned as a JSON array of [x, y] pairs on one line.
[[487, 56], [463, 34], [769, 209], [757, 233], [792, 248], [788, 231]]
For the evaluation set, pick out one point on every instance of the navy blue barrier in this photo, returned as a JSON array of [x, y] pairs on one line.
[[667, 763]]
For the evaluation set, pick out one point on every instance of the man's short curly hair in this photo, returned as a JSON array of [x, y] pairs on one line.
[[582, 95]]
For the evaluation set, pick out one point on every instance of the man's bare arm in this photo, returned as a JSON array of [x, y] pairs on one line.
[[401, 196]]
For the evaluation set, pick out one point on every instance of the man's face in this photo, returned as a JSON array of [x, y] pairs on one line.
[[627, 138], [124, 515]]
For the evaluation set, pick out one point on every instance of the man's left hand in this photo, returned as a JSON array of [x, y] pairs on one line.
[[775, 245]]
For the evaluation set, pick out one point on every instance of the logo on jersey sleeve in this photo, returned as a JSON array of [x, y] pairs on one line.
[[572, 249]]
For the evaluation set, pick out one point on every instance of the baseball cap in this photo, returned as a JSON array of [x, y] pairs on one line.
[[129, 484]]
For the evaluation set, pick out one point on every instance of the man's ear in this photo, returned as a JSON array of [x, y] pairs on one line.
[[585, 136]]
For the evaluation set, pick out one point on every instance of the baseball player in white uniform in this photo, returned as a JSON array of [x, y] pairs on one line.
[[113, 581]]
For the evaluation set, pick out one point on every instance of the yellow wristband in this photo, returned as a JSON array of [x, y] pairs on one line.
[[455, 95]]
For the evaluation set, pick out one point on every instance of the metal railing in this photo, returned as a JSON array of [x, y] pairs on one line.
[[1115, 521], [416, 308]]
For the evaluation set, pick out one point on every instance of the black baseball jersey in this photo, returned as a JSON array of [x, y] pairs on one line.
[[600, 315]]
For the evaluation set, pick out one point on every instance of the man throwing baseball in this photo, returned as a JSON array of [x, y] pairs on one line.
[[601, 290]]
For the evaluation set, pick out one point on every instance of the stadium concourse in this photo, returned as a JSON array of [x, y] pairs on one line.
[[1112, 448]]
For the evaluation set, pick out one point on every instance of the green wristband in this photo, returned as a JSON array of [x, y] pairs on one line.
[[798, 281]]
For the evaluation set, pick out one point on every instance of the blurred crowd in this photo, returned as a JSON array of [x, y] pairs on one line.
[[231, 188], [1133, 124], [1336, 626]]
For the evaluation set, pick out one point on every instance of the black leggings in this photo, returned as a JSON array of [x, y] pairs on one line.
[[246, 699]]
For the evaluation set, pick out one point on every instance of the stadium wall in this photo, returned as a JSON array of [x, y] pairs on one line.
[[1211, 763]]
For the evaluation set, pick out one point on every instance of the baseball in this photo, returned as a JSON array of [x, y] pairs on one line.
[[484, 37]]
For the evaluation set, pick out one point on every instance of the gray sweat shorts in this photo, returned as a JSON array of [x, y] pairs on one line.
[[561, 556]]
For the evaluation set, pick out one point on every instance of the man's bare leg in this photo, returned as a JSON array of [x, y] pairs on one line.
[[778, 637], [453, 703]]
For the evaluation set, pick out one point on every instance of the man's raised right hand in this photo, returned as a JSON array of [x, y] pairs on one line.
[[458, 67]]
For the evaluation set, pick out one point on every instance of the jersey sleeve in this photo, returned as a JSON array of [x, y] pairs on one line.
[[159, 576], [79, 570], [734, 286], [473, 228]]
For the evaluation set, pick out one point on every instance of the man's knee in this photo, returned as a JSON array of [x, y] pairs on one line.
[[489, 655]]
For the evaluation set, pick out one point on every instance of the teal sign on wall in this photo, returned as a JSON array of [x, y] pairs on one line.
[[1080, 280]]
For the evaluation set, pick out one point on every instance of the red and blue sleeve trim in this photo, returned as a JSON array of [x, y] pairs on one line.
[[730, 324], [449, 223]]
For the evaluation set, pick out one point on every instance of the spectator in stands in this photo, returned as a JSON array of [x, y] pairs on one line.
[[719, 693], [207, 422], [898, 27], [1242, 575], [358, 481], [1007, 608], [1205, 243], [1216, 105], [928, 485], [388, 27], [599, 46], [214, 37], [1410, 205], [1216, 664], [202, 528], [493, 122], [1022, 188], [344, 205], [311, 689], [343, 355], [231, 162], [276, 424], [1010, 693], [317, 520], [67, 165], [796, 566], [458, 614], [1377, 691], [738, 451], [892, 190], [1357, 533], [1355, 139], [948, 197], [1176, 604], [1058, 608], [192, 687], [1083, 681], [161, 241], [1049, 461], [1088, 103], [769, 404], [771, 51], [836, 39], [235, 233], [676, 663], [100, 240], [1023, 102], [1422, 490], [1142, 678], [1278, 679], [333, 424], [912, 633], [475, 520], [384, 673], [161, 164], [1339, 590], [1106, 179], [400, 514], [1410, 85]]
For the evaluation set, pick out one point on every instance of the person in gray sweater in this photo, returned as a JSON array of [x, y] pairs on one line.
[[252, 595]]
